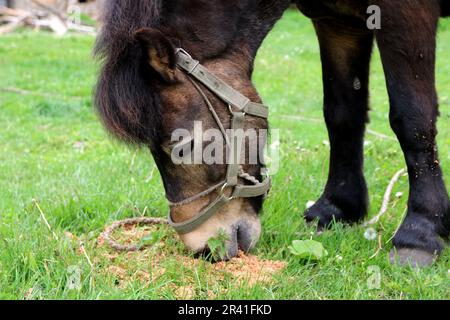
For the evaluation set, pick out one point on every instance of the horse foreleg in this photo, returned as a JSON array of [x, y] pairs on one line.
[[407, 42], [345, 55]]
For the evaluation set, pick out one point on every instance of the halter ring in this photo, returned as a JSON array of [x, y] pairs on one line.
[[222, 192]]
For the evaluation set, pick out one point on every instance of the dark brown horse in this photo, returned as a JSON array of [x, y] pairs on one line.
[[143, 96]]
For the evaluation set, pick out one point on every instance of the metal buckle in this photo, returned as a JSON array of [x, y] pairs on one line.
[[187, 64], [183, 52], [230, 108], [222, 193]]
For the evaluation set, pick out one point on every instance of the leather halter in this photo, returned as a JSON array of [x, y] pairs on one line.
[[239, 106]]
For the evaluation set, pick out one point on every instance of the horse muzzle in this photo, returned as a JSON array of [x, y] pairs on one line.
[[224, 234]]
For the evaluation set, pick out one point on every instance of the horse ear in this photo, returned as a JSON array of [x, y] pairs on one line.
[[160, 52]]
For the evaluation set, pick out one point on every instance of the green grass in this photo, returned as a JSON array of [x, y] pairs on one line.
[[54, 150]]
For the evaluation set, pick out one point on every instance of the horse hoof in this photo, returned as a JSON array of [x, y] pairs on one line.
[[412, 257]]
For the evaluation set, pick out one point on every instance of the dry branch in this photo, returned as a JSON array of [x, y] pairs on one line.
[[11, 12], [42, 16], [61, 15], [14, 24], [386, 198]]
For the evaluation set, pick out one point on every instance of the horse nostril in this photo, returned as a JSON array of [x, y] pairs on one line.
[[246, 236], [203, 254]]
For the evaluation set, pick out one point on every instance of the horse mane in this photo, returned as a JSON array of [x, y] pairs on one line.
[[125, 98]]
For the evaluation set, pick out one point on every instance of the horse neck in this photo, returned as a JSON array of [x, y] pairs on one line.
[[235, 61], [240, 42]]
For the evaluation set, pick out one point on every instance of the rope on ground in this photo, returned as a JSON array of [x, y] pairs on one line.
[[128, 222]]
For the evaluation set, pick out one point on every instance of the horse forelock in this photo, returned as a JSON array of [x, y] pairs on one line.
[[127, 103], [122, 17]]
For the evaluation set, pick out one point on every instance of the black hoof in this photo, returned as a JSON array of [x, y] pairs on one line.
[[325, 213], [412, 257], [417, 238]]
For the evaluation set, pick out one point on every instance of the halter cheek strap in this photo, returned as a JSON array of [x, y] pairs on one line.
[[239, 106]]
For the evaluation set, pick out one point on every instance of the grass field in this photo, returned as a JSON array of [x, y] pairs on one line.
[[54, 150]]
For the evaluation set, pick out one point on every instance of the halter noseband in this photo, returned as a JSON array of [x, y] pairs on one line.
[[243, 106]]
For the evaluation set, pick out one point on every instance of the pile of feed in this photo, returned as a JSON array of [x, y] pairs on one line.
[[165, 257], [250, 269]]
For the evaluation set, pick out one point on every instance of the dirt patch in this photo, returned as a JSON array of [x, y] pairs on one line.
[[166, 259]]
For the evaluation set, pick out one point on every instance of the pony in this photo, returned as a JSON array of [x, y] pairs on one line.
[[143, 96]]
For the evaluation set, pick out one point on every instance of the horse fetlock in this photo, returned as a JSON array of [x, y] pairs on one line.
[[445, 219]]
